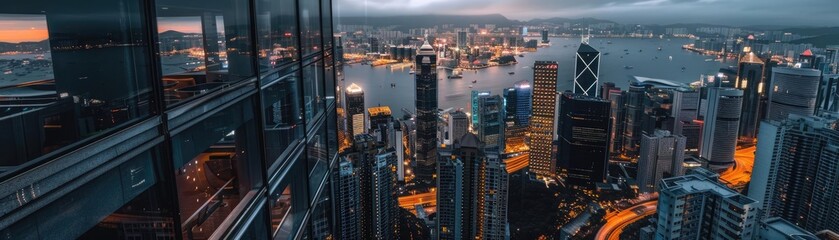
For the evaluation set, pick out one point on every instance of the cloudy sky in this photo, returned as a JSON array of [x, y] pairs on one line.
[[729, 12]]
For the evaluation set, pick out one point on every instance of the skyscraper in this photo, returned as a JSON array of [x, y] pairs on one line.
[[828, 97], [462, 40], [697, 206], [635, 98], [750, 79], [542, 123], [347, 206], [458, 125], [490, 125], [545, 36], [795, 171], [794, 91], [586, 70], [472, 191], [356, 120], [778, 228], [474, 106], [519, 103], [584, 124], [374, 45], [381, 124], [426, 121], [661, 157], [719, 135], [618, 115], [374, 168]]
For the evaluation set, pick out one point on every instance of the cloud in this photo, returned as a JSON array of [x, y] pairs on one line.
[[732, 12]]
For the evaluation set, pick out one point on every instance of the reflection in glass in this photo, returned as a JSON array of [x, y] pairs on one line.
[[217, 164], [318, 160], [310, 26], [281, 220], [327, 23], [313, 98], [204, 45], [322, 220], [283, 118], [65, 78], [329, 79], [276, 22]]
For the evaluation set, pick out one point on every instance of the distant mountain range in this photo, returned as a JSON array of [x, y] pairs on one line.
[[24, 46]]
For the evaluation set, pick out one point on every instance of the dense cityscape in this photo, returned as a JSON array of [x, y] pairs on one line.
[[294, 119]]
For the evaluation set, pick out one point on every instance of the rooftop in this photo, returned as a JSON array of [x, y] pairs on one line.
[[791, 230], [585, 48], [378, 111], [354, 88]]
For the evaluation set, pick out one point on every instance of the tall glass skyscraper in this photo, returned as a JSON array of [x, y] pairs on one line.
[[586, 70], [171, 119], [583, 131], [750, 79], [426, 103]]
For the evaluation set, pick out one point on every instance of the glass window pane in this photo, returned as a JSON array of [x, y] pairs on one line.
[[65, 78], [313, 98], [322, 216], [289, 202], [276, 21], [204, 45], [329, 79], [317, 159], [327, 24], [283, 116], [310, 24], [217, 164]]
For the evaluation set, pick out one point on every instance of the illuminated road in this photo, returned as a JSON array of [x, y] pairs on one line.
[[616, 223], [425, 199], [517, 163], [739, 175], [736, 176]]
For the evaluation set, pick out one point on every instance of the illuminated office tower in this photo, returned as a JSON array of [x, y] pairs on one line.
[[583, 132], [518, 100], [490, 122], [381, 124], [586, 70], [795, 171], [426, 120], [471, 191], [828, 97], [750, 79], [719, 135], [697, 206], [793, 91], [347, 204], [356, 120], [475, 96], [661, 157], [542, 121]]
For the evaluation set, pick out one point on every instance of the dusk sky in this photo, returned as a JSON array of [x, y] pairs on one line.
[[728, 12]]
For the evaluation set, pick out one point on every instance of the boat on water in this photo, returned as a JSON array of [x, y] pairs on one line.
[[659, 48], [671, 58], [474, 81], [710, 60], [628, 67], [470, 86], [521, 55], [640, 50], [411, 72], [609, 42], [511, 73], [605, 53], [455, 76], [392, 85], [683, 69]]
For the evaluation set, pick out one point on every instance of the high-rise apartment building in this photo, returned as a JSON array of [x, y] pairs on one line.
[[542, 121], [426, 120], [618, 115], [586, 70], [795, 171], [583, 131], [472, 191], [458, 125], [662, 154], [697, 206], [719, 134], [172, 120]]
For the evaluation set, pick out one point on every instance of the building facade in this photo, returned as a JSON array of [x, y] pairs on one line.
[[794, 91], [584, 126], [750, 79], [795, 171], [542, 121], [719, 134], [426, 120], [140, 131], [661, 157], [586, 71], [697, 206]]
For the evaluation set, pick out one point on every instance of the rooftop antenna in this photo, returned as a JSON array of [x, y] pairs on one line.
[[584, 37]]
